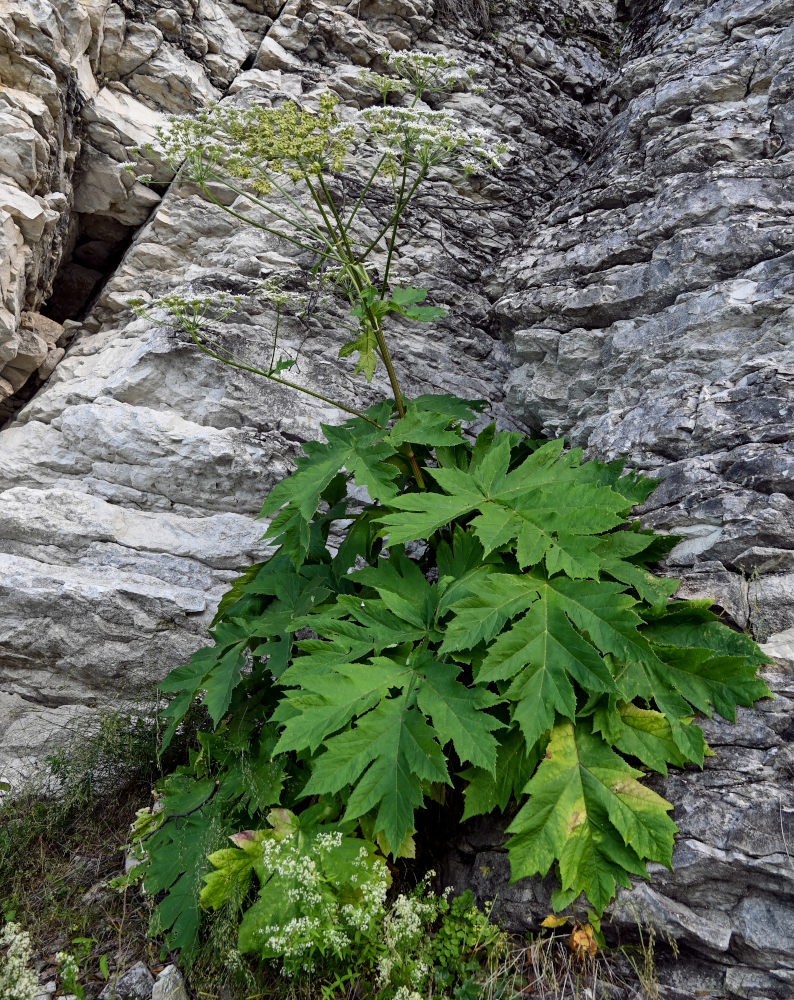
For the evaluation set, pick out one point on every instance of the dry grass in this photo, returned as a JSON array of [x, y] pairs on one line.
[[63, 836], [476, 12]]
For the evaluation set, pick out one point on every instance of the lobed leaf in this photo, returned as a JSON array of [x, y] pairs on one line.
[[586, 810], [387, 757]]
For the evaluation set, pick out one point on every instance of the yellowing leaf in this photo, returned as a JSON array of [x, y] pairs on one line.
[[587, 810]]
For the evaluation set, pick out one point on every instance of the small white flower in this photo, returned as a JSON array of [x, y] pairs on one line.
[[328, 841], [431, 138], [17, 981]]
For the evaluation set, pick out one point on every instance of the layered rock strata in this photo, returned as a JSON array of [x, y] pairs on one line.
[[650, 311], [81, 83]]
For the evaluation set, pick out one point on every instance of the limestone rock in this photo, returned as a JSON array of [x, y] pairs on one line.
[[134, 984], [52, 182], [115, 122], [169, 985], [271, 55], [171, 80], [103, 187], [649, 308]]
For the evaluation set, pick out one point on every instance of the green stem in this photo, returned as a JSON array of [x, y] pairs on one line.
[[360, 284], [385, 354], [385, 283], [397, 212], [363, 194], [312, 229], [275, 337], [267, 229], [318, 202], [282, 381]]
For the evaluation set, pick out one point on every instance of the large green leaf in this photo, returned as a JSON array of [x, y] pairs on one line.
[[479, 617], [462, 568], [586, 809], [541, 506], [541, 654], [458, 712], [177, 858], [639, 732], [212, 674], [328, 698], [403, 589], [356, 446], [488, 790], [388, 757], [370, 624]]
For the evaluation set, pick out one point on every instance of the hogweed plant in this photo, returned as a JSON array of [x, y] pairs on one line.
[[485, 629]]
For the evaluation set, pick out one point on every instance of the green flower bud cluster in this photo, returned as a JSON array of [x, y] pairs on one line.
[[256, 143], [188, 312], [383, 83], [273, 291]]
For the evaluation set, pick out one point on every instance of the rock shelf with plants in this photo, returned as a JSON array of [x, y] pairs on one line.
[[468, 618]]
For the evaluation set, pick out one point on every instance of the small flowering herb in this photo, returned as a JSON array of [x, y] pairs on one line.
[[423, 70], [69, 972], [321, 904], [17, 980], [321, 894]]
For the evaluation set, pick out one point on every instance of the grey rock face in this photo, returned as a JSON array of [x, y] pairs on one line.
[[169, 985], [649, 311], [81, 83], [134, 984]]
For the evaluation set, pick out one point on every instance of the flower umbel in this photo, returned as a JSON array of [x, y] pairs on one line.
[[259, 143], [431, 138]]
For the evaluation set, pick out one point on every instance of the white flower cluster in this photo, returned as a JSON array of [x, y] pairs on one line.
[[314, 881], [17, 981], [406, 932], [187, 312], [292, 940], [404, 993], [431, 138], [383, 83], [272, 290], [69, 970], [407, 921], [256, 144], [328, 841], [423, 70]]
